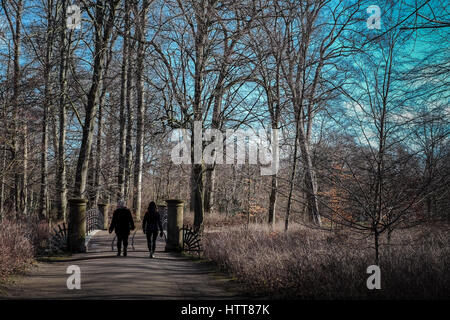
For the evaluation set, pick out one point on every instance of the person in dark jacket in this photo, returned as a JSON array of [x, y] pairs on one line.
[[122, 223], [151, 225]]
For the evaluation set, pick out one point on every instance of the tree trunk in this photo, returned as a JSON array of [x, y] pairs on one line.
[[61, 182], [292, 177], [24, 174], [2, 185], [109, 160], [310, 179], [43, 196], [98, 152], [123, 101], [128, 142], [216, 122], [102, 34], [273, 200], [198, 168], [198, 192], [210, 188], [139, 159], [15, 103], [98, 159]]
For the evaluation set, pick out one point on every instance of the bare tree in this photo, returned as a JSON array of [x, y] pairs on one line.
[[103, 19], [141, 24], [123, 101], [50, 36]]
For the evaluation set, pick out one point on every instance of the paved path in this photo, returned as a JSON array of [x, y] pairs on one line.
[[106, 276]]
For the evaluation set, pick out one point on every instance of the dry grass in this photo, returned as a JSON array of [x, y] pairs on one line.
[[316, 264], [16, 247]]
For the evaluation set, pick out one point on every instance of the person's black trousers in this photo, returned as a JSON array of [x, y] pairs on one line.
[[122, 238], [151, 240]]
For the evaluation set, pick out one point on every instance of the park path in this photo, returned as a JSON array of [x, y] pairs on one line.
[[106, 276]]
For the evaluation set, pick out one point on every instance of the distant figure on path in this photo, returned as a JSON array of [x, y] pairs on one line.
[[151, 225], [122, 223]]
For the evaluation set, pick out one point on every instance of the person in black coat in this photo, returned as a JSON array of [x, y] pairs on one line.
[[150, 226], [122, 222]]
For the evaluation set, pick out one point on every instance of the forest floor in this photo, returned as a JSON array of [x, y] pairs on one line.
[[106, 276]]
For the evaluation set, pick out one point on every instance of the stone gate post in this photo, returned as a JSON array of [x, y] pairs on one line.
[[174, 225], [77, 225]]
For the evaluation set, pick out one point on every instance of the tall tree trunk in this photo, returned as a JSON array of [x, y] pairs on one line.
[[310, 179], [15, 103], [275, 110], [123, 101], [4, 158], [2, 184], [200, 61], [61, 180], [108, 161], [24, 174], [102, 35], [216, 123], [273, 200], [98, 159], [292, 177], [43, 196], [140, 36], [129, 131], [210, 186], [128, 139], [96, 170], [274, 183]]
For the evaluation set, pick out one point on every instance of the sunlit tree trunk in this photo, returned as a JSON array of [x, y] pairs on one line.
[[43, 196], [123, 101], [129, 131], [140, 108], [16, 30], [61, 182], [103, 29], [24, 173]]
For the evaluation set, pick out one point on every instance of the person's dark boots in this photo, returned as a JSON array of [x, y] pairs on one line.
[[125, 252], [118, 254]]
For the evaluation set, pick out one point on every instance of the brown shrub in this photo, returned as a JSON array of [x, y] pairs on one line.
[[16, 248], [315, 264]]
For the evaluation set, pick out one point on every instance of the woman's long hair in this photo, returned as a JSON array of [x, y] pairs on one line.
[[152, 208]]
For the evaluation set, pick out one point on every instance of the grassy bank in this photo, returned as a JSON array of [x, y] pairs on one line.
[[317, 264]]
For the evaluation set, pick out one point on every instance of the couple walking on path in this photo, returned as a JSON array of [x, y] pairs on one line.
[[122, 222]]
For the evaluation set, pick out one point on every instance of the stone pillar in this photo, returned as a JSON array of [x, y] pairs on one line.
[[174, 225], [104, 210], [77, 225]]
